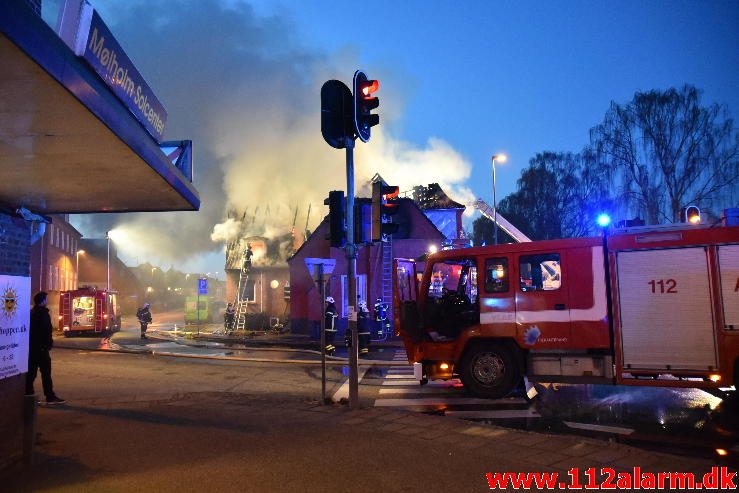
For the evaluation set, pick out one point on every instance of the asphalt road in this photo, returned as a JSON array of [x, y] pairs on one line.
[[684, 421]]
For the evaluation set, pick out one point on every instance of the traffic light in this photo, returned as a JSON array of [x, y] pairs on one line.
[[692, 214], [336, 207], [364, 103], [337, 121], [362, 221], [383, 208]]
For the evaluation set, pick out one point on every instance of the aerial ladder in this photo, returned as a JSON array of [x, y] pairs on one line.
[[242, 301], [503, 223]]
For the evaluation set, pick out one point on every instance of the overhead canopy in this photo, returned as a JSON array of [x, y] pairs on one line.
[[67, 144]]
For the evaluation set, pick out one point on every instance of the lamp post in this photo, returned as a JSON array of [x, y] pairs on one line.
[[107, 282], [501, 158], [77, 255]]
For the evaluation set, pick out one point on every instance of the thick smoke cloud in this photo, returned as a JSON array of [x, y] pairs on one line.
[[247, 93]]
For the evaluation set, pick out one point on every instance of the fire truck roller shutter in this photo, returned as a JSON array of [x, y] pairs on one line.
[[491, 369], [665, 310], [728, 261]]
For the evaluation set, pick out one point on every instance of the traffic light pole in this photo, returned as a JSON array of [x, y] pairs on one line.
[[351, 258]]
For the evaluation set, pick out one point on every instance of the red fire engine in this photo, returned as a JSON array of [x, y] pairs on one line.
[[89, 310], [643, 306]]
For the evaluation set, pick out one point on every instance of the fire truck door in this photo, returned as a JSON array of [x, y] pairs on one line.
[[99, 313], [664, 304], [405, 300], [542, 300], [497, 295], [65, 309]]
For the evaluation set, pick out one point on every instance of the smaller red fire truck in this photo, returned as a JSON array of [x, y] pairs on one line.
[[654, 306], [89, 310]]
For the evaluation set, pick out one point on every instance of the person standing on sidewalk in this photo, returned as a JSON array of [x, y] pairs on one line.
[[144, 316], [40, 343]]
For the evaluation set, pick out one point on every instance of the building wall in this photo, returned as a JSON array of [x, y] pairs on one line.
[[416, 234], [15, 236], [54, 262], [267, 300]]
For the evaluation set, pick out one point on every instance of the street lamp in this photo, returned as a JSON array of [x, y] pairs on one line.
[[501, 158], [77, 255], [107, 282]]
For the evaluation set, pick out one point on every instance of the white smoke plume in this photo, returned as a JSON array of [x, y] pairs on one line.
[[247, 93]]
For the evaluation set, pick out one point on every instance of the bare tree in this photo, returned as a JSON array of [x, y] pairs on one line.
[[664, 151], [558, 196]]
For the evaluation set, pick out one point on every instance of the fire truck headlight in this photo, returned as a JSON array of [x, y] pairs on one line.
[[715, 377], [603, 220], [444, 366]]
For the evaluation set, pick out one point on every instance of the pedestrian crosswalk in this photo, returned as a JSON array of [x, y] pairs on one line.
[[400, 390]]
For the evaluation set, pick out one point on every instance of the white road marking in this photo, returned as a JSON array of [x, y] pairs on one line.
[[414, 382], [437, 401], [343, 392], [495, 414], [606, 429], [418, 389]]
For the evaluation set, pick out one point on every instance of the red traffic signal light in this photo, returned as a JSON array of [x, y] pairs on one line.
[[382, 210], [364, 103]]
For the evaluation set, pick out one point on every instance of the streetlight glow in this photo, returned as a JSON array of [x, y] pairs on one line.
[[501, 158]]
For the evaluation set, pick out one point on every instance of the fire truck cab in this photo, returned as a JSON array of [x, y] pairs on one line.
[[644, 306], [88, 310]]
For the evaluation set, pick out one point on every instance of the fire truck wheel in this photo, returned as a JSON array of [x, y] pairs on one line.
[[490, 370]]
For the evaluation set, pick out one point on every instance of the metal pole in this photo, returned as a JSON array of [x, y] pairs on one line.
[[107, 285], [495, 209], [322, 288], [351, 257], [197, 306]]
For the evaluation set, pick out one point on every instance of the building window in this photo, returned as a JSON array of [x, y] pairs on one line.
[[361, 293], [496, 275], [541, 272], [249, 293]]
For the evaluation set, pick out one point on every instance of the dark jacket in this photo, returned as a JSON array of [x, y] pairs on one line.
[[40, 332], [144, 315], [330, 316]]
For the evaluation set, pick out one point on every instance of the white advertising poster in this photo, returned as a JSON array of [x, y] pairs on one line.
[[15, 315]]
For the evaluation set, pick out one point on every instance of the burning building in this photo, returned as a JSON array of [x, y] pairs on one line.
[[266, 289]]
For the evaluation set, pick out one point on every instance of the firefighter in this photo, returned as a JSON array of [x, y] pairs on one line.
[[228, 318], [144, 316], [330, 316], [247, 258], [381, 317]]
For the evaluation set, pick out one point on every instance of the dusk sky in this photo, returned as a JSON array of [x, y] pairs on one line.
[[460, 81]]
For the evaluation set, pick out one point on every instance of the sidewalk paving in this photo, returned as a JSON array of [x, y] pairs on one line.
[[220, 441]]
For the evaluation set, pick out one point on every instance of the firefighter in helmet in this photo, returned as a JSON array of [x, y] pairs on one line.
[[144, 316], [248, 254], [381, 317], [228, 319], [330, 315]]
